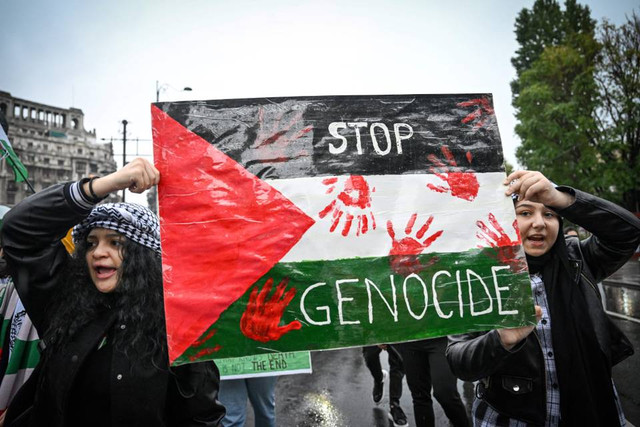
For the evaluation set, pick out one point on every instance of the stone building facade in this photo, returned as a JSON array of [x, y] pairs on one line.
[[53, 145]]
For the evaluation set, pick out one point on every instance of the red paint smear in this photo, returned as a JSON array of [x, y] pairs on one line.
[[204, 339], [365, 224], [463, 185], [483, 111], [214, 216], [329, 181], [347, 225], [278, 130], [496, 237], [354, 200], [356, 192], [261, 319], [204, 352], [403, 256]]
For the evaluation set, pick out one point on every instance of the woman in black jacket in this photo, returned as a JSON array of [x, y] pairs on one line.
[[558, 371], [100, 312]]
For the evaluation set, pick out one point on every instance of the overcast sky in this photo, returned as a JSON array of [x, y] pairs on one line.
[[105, 57]]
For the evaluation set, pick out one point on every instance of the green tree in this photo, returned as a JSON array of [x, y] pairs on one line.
[[556, 96], [543, 26], [618, 78], [508, 167]]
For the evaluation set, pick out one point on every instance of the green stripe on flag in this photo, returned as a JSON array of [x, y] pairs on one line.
[[19, 170], [361, 300], [29, 356]]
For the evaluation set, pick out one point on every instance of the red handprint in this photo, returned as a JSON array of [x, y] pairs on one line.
[[507, 248], [481, 114], [354, 202], [276, 129], [463, 185], [261, 319], [403, 257]]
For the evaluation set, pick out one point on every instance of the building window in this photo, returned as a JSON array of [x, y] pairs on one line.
[[25, 112], [41, 115], [79, 150], [12, 186], [33, 113], [11, 198], [16, 111], [29, 144], [60, 162], [93, 168], [74, 123], [45, 160], [3, 108], [81, 167], [45, 147]]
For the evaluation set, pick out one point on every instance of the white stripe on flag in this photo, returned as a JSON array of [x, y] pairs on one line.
[[396, 198]]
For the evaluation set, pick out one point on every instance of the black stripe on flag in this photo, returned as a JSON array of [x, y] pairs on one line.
[[277, 138]]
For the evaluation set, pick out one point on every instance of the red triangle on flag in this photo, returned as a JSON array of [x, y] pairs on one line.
[[222, 228]]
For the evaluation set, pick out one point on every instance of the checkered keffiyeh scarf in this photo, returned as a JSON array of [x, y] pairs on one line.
[[133, 221]]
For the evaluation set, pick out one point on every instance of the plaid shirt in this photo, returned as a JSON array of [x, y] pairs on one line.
[[485, 416]]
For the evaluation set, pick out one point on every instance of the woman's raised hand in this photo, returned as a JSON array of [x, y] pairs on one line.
[[535, 187], [138, 175]]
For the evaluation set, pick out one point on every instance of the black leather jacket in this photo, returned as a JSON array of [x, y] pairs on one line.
[[513, 382], [139, 396]]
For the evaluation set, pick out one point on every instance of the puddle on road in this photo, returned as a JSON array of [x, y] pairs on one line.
[[317, 410]]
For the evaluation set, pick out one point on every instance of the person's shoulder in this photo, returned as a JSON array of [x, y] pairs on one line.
[[573, 247]]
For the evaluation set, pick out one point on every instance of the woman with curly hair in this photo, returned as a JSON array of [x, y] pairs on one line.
[[100, 312]]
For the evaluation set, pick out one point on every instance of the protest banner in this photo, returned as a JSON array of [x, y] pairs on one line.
[[313, 223], [265, 365]]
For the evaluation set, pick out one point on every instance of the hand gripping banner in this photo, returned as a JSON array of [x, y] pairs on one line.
[[313, 223]]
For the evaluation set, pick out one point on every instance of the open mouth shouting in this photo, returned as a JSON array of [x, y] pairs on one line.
[[104, 258]]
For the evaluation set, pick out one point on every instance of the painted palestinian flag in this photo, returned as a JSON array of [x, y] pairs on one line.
[[326, 222]]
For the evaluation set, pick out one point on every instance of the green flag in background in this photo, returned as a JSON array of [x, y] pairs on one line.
[[19, 170]]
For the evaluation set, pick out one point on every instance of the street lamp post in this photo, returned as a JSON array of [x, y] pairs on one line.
[[164, 86], [124, 149]]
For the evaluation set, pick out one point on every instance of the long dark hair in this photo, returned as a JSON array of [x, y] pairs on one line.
[[137, 300]]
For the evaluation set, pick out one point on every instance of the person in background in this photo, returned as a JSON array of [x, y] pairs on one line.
[[261, 392], [558, 371], [371, 356], [100, 312], [426, 367], [571, 231]]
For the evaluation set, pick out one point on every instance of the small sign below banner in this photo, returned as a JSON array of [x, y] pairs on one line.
[[265, 365]]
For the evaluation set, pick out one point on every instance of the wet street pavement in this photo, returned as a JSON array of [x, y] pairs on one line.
[[626, 375], [622, 292], [338, 393]]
